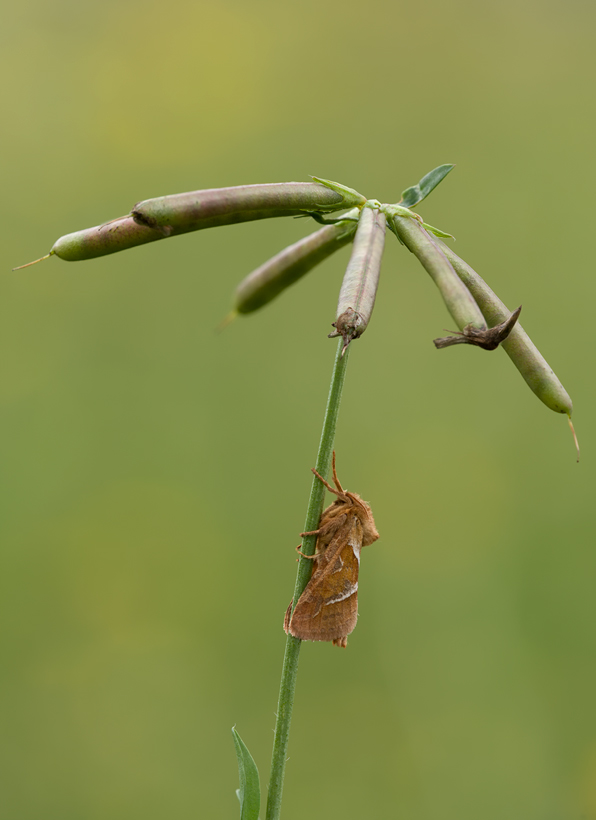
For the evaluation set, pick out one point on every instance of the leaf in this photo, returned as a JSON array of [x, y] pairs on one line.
[[249, 793], [412, 196], [351, 197], [437, 231], [429, 182]]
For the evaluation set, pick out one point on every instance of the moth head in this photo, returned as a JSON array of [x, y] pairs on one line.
[[364, 513]]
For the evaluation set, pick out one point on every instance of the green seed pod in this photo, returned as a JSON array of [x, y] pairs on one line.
[[117, 235], [361, 280], [519, 347], [114, 236], [458, 299], [195, 210], [274, 276]]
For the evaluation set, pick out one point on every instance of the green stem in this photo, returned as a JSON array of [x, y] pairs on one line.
[[292, 653]]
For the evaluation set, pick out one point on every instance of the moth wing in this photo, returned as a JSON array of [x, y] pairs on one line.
[[327, 610], [327, 535]]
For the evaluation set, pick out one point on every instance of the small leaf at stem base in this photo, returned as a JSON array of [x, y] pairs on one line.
[[249, 793]]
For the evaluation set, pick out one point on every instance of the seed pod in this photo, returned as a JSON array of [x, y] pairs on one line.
[[166, 216], [519, 347], [361, 280], [117, 235], [111, 237], [291, 264], [195, 210], [458, 299]]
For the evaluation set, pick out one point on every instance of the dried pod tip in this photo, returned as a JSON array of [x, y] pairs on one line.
[[35, 261], [574, 435], [487, 339], [347, 326], [227, 320]]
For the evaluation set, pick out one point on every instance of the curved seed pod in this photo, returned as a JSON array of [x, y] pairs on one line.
[[361, 279], [148, 222], [519, 347], [195, 210], [288, 266], [458, 299]]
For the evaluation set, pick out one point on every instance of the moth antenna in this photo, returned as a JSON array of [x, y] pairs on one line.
[[326, 483], [335, 478]]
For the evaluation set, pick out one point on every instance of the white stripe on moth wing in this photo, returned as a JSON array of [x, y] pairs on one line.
[[341, 596]]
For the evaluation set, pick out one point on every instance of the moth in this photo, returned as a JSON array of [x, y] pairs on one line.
[[327, 610]]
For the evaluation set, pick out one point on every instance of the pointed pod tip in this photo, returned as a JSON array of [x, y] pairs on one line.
[[227, 320], [574, 434], [35, 261]]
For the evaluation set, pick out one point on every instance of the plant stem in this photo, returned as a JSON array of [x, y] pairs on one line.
[[292, 653]]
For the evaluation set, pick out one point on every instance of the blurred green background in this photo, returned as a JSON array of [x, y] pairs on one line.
[[155, 474]]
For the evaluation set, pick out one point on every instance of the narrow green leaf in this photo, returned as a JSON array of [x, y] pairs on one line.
[[437, 231], [249, 793], [429, 182], [412, 196]]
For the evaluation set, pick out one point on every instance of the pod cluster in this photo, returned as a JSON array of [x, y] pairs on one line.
[[481, 318]]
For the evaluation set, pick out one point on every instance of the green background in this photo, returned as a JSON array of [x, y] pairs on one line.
[[155, 473]]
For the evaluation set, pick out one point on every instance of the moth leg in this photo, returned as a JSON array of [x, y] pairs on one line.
[[304, 555], [330, 526], [310, 532]]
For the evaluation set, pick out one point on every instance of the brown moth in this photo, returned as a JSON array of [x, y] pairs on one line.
[[327, 610]]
